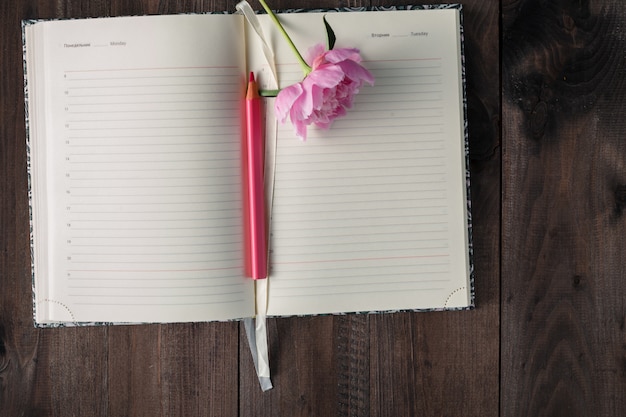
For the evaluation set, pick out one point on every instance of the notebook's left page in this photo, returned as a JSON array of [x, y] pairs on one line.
[[134, 161]]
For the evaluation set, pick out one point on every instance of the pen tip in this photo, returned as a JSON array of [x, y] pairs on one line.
[[251, 78]]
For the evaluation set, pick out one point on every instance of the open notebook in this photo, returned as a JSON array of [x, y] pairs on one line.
[[134, 165]]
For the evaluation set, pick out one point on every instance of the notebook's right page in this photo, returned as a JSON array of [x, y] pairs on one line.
[[372, 214]]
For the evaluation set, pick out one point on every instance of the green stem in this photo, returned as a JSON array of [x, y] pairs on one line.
[[268, 93], [305, 67]]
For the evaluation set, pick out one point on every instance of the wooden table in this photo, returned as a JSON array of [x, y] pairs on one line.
[[546, 82]]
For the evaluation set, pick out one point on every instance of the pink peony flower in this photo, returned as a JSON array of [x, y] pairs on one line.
[[326, 92]]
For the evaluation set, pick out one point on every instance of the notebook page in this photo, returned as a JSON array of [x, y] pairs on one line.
[[370, 215], [145, 120]]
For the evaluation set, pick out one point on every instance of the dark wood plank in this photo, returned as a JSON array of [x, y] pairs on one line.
[[302, 361], [408, 363], [71, 374], [19, 341], [563, 306], [178, 369], [446, 364], [134, 371], [130, 370], [353, 365], [199, 369]]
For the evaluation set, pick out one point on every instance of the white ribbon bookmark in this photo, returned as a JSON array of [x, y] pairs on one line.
[[256, 328], [256, 332], [246, 10]]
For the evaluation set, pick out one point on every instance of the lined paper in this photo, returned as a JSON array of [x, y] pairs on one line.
[[149, 176], [141, 134], [369, 215]]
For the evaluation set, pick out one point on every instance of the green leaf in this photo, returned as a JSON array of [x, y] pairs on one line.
[[330, 34]]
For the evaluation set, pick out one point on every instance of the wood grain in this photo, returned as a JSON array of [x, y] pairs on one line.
[[134, 370], [430, 364], [19, 342], [302, 361], [423, 363], [563, 310], [199, 369]]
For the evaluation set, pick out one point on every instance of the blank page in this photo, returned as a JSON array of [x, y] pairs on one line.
[[143, 185], [371, 214]]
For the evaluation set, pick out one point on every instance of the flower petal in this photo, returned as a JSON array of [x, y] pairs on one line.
[[314, 53], [300, 128], [356, 72], [318, 81], [286, 99], [341, 54], [326, 76]]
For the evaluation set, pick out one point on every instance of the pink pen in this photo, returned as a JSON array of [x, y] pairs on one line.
[[254, 200]]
